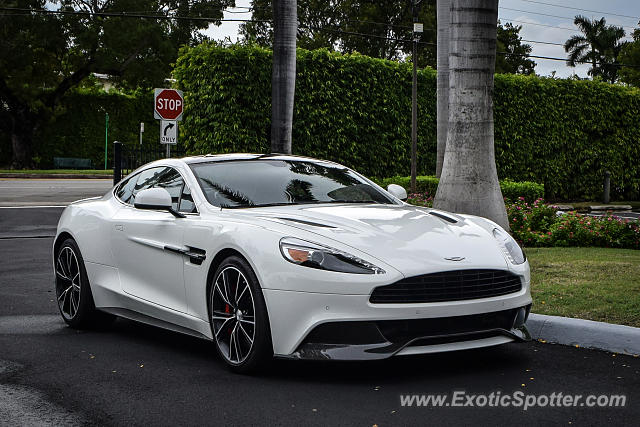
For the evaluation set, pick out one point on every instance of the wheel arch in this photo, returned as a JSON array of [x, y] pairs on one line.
[[215, 263], [64, 235]]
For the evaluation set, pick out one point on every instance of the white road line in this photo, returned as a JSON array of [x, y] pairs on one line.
[[33, 207]]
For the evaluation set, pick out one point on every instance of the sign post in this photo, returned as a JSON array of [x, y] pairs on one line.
[[168, 134], [168, 106]]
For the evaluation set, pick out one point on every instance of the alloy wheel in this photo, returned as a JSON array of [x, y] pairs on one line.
[[233, 315], [68, 282]]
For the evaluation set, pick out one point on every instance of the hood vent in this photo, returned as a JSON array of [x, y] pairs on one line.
[[301, 221], [443, 217]]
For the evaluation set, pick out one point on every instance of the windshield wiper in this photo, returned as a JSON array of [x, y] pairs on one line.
[[310, 202], [263, 205], [351, 201]]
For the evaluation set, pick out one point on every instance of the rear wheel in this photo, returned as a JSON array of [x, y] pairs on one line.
[[238, 315], [73, 293]]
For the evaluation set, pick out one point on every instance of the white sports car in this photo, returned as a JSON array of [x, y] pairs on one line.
[[285, 256]]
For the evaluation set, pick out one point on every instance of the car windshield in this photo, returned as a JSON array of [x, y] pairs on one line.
[[273, 182]]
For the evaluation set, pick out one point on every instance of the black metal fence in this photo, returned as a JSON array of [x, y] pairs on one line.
[[128, 157]]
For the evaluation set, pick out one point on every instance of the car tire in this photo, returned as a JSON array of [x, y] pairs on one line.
[[238, 317], [73, 292]]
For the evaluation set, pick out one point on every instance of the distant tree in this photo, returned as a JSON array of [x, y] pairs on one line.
[[44, 55], [630, 56], [370, 27], [512, 57], [599, 44]]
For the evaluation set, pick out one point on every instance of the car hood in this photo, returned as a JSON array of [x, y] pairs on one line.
[[411, 239]]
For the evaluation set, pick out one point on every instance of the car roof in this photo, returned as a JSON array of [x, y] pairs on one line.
[[246, 156]]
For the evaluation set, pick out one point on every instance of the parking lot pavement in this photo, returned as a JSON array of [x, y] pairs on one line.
[[50, 192], [140, 375]]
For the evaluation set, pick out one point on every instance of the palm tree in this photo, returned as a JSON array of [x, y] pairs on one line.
[[469, 181], [599, 44], [442, 97], [283, 78]]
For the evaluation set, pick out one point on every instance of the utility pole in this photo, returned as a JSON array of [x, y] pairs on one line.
[[106, 138], [417, 29]]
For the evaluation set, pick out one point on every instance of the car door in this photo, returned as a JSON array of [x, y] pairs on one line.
[[143, 241]]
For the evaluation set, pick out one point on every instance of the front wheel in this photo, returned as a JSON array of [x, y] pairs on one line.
[[73, 292], [238, 315]]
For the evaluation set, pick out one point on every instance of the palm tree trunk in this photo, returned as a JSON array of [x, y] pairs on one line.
[[442, 113], [283, 78], [469, 182]]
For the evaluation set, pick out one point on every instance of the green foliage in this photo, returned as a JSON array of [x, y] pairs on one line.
[[528, 190], [537, 224], [566, 134], [599, 44], [426, 187], [509, 40], [356, 110], [630, 56], [79, 129]]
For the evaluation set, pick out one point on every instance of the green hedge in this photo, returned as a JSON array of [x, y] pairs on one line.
[[78, 128], [356, 110], [510, 189]]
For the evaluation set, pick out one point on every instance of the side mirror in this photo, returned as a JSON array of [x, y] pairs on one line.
[[155, 199], [397, 191]]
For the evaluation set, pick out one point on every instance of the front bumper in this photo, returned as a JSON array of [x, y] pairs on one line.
[[380, 340], [348, 327]]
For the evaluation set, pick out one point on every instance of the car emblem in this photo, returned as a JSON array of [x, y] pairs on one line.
[[454, 258]]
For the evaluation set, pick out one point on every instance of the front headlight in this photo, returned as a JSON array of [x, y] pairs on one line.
[[509, 246], [324, 258]]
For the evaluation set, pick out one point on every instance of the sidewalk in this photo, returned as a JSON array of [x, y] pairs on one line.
[[54, 176]]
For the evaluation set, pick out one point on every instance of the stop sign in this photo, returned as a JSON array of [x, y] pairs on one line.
[[168, 104]]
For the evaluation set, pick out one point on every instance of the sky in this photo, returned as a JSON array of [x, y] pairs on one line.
[[532, 15]]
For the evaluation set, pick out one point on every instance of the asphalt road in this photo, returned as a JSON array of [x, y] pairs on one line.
[[135, 374], [50, 192]]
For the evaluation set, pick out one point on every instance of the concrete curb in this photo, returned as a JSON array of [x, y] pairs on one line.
[[54, 176], [585, 333]]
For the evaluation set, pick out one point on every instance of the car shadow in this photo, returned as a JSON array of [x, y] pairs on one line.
[[490, 360]]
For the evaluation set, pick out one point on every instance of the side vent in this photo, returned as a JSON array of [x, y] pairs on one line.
[[301, 221], [444, 217]]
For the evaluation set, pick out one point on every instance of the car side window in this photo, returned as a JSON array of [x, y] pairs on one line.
[[187, 205], [171, 181], [146, 179], [124, 192]]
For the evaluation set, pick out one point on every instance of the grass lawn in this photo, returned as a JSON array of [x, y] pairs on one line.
[[589, 283], [60, 171]]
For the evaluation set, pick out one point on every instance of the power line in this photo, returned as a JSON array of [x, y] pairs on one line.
[[553, 16], [540, 25], [584, 10], [122, 15], [541, 42]]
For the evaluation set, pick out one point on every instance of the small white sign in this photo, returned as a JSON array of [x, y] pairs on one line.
[[168, 132], [417, 27]]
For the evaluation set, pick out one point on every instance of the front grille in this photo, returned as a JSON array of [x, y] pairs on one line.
[[448, 286], [404, 330]]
